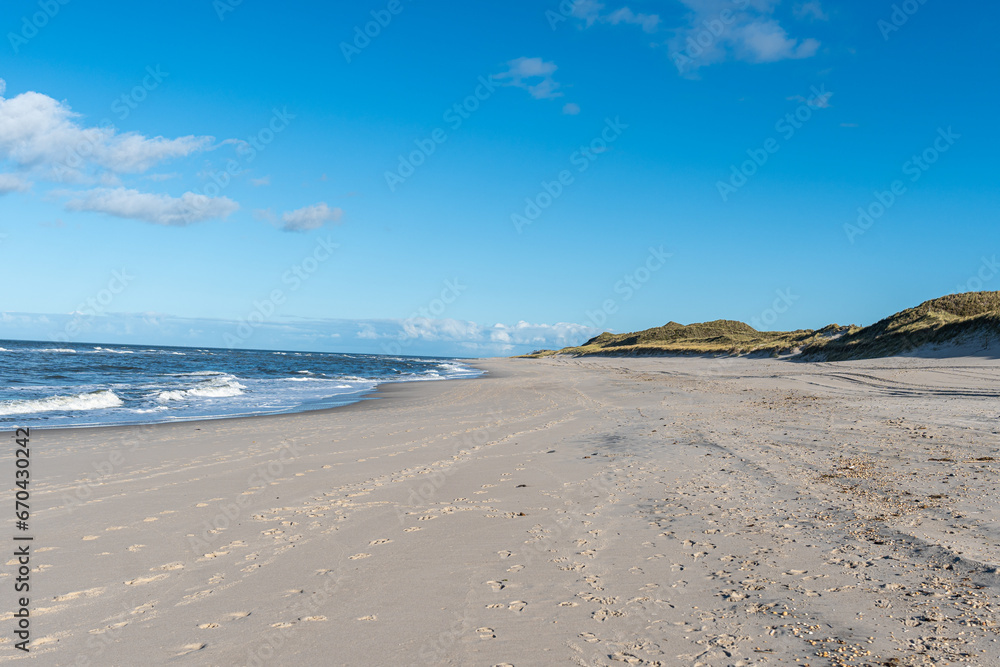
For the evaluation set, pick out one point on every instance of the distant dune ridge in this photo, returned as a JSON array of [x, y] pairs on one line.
[[966, 323]]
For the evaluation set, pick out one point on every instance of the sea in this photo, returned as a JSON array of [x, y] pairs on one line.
[[47, 385]]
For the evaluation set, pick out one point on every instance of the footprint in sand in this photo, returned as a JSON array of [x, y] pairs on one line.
[[515, 568], [589, 637], [411, 530], [568, 604], [281, 626], [359, 556], [496, 585], [146, 580], [517, 605], [505, 554], [169, 566], [190, 648], [486, 633], [106, 628], [370, 617], [90, 537], [314, 618], [195, 596], [135, 547], [383, 540], [89, 593], [208, 626], [602, 615]]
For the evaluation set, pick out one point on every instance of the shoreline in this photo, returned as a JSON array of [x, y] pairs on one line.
[[648, 511], [376, 393]]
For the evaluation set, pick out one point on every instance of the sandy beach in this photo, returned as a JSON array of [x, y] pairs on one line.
[[646, 511]]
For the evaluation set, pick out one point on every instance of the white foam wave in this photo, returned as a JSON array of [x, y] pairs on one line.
[[221, 386], [56, 349], [94, 400], [108, 349]]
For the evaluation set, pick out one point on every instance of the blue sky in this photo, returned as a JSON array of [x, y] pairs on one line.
[[226, 173]]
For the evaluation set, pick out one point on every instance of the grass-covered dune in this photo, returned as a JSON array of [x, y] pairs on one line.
[[949, 319]]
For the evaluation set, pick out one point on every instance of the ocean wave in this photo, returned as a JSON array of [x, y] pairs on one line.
[[222, 386], [55, 349], [108, 349], [93, 400], [158, 408]]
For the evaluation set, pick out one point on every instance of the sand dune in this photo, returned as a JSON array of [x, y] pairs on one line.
[[559, 511]]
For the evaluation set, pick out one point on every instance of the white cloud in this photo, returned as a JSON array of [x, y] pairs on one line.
[[591, 12], [810, 10], [366, 332], [534, 75], [38, 132], [471, 333], [428, 337], [648, 22], [820, 98], [13, 182], [258, 182], [571, 109], [158, 209], [310, 217], [765, 41], [717, 31]]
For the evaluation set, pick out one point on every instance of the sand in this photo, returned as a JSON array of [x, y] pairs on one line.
[[564, 511]]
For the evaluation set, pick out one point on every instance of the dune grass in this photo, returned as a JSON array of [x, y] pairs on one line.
[[947, 319]]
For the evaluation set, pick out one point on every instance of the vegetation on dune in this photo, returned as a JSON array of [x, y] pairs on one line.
[[947, 319], [951, 318]]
